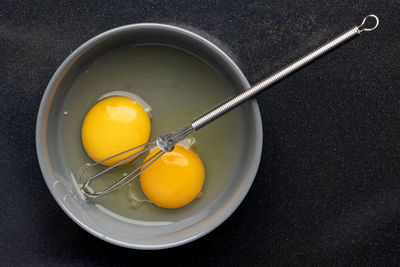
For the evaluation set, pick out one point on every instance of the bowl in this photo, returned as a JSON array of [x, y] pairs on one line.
[[175, 227]]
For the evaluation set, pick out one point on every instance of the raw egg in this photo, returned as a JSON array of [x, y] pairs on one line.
[[175, 179], [115, 124]]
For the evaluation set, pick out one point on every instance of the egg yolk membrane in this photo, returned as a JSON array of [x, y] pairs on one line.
[[113, 125], [175, 179]]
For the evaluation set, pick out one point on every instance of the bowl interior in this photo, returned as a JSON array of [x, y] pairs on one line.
[[236, 138]]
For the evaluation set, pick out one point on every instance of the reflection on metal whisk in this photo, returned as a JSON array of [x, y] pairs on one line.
[[167, 142]]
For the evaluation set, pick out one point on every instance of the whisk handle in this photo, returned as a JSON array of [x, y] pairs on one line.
[[277, 76]]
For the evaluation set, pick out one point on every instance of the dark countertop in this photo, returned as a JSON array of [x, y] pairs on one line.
[[328, 187]]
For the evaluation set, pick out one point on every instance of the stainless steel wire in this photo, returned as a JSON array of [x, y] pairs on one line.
[[167, 142], [279, 75]]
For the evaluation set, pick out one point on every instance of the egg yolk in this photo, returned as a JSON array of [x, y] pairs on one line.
[[114, 125], [175, 179]]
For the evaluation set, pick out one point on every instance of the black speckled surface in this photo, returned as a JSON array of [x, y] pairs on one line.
[[328, 187]]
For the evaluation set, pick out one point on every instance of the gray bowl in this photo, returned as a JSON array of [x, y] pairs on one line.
[[63, 187]]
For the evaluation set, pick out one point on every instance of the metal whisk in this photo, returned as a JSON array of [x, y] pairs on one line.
[[166, 143]]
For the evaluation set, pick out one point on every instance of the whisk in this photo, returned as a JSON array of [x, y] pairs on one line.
[[166, 143]]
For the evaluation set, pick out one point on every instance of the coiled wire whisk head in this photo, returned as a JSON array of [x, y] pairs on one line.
[[166, 143]]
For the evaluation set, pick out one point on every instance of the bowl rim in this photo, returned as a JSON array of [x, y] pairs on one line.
[[45, 166]]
